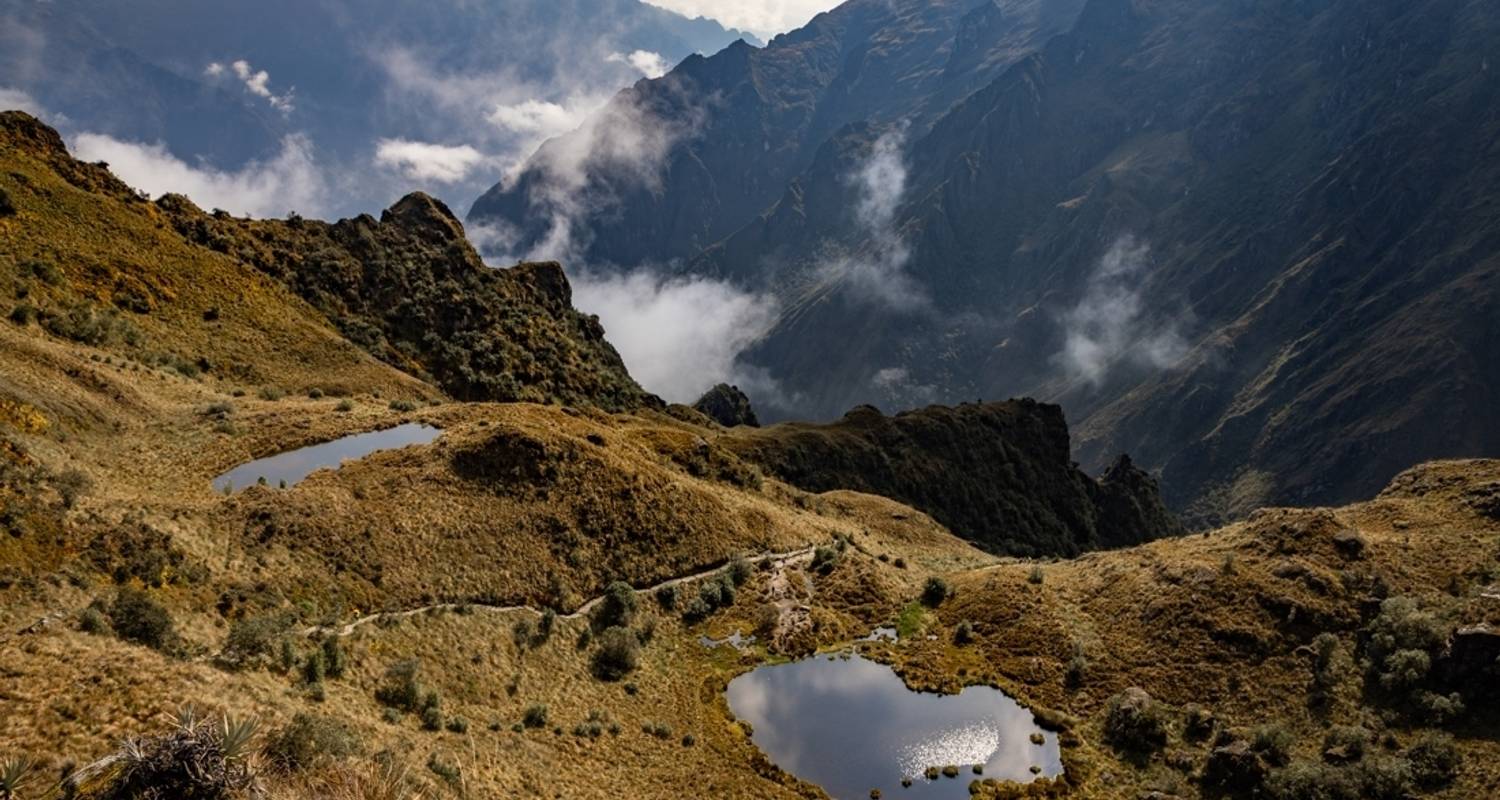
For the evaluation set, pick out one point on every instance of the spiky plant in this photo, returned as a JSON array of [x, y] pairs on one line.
[[197, 758], [15, 773]]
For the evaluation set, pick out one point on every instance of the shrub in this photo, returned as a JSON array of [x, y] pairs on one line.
[[1036, 575], [618, 654], [738, 571], [667, 596], [697, 609], [1383, 778], [432, 718], [712, 595], [618, 607], [270, 393], [1197, 722], [306, 741], [92, 620], [458, 725], [16, 773], [1306, 780], [1434, 760], [934, 592], [137, 618], [254, 636], [313, 668], [963, 633], [545, 625], [196, 759], [521, 632], [1273, 742], [824, 560], [315, 393], [344, 406], [535, 716], [87, 324], [1134, 723], [1344, 743], [23, 314], [402, 687], [334, 660], [1078, 669], [403, 406]]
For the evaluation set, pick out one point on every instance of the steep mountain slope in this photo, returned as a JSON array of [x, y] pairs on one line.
[[728, 131], [1251, 244], [999, 475], [410, 289]]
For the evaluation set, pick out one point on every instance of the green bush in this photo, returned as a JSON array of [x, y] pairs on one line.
[[1036, 576], [432, 718], [697, 610], [23, 314], [738, 571], [313, 668], [1434, 760], [458, 725], [271, 393], [402, 686], [137, 618], [963, 633], [334, 660], [92, 620], [667, 597], [1134, 723], [308, 740], [618, 607], [344, 406], [1345, 743], [90, 325], [1273, 742], [935, 591], [824, 560], [535, 716], [255, 636], [403, 406], [44, 271], [618, 654]]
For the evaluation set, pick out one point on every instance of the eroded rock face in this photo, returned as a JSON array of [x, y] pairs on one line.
[[998, 474], [728, 406]]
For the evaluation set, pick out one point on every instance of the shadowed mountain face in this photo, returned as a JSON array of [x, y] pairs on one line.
[[1253, 244], [997, 474]]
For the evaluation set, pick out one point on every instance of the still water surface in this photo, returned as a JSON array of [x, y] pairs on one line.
[[294, 465], [851, 725]]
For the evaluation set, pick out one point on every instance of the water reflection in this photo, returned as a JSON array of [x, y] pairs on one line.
[[851, 725], [294, 465]]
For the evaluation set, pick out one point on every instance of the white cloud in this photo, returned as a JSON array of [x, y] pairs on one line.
[[764, 18], [650, 64], [289, 181], [423, 161], [540, 118], [874, 270], [17, 100], [1107, 328], [256, 82], [679, 336]]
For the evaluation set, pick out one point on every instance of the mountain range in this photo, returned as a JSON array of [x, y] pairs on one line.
[[224, 85], [1253, 244]]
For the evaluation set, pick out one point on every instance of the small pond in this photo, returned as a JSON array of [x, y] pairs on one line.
[[850, 725], [294, 465]]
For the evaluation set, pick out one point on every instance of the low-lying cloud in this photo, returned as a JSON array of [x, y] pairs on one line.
[[1108, 327], [423, 161], [650, 64], [291, 181], [679, 336], [873, 267]]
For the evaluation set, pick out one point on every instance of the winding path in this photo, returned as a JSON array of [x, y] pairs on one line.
[[348, 629]]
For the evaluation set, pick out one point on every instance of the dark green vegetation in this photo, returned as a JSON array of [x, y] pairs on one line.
[[411, 290], [728, 406], [1315, 182], [998, 474]]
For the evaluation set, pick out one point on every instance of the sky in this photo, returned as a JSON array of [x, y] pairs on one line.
[[764, 18]]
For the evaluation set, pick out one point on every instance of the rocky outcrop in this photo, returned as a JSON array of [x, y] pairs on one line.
[[728, 406], [410, 289], [998, 474]]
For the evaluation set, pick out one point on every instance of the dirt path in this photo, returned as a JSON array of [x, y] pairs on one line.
[[348, 629]]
